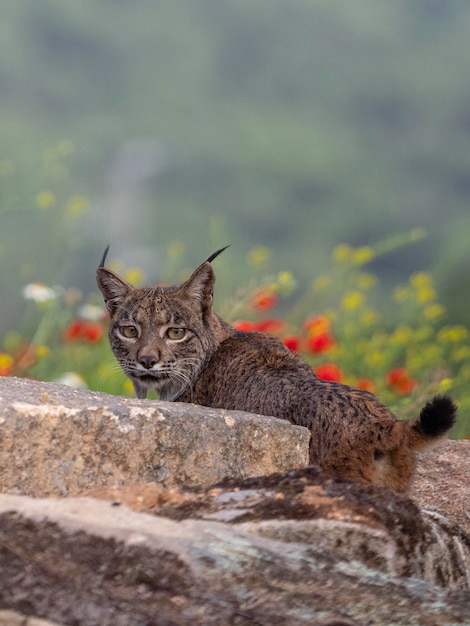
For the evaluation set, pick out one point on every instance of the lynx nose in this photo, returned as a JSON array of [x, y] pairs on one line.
[[148, 361]]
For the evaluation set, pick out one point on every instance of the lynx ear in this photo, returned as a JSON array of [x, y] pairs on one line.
[[114, 288], [201, 285]]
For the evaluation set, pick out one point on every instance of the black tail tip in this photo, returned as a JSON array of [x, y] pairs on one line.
[[438, 416]]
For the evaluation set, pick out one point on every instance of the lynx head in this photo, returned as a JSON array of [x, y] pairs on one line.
[[162, 336]]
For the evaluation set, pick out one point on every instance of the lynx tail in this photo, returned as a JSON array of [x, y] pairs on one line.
[[436, 418]]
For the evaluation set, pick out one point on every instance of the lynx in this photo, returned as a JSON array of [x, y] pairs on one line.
[[168, 338]]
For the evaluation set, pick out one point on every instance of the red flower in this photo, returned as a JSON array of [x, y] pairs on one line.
[[399, 379], [329, 371], [367, 384], [320, 343], [92, 332], [83, 330], [73, 330], [264, 300], [245, 325], [270, 325], [317, 325], [292, 342]]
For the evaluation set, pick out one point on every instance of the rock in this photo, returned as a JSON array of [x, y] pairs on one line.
[[12, 618], [292, 547], [382, 529], [56, 440], [442, 481], [297, 548]]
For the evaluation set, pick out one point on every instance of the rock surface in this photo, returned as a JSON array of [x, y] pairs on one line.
[[442, 481], [55, 440], [290, 548]]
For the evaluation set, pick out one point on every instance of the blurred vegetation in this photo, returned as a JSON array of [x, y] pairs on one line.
[[337, 325], [290, 124]]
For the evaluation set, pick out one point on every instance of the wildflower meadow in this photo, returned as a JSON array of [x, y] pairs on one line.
[[341, 325]]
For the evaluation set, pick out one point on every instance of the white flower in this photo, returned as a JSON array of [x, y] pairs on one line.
[[39, 292], [91, 312], [72, 379]]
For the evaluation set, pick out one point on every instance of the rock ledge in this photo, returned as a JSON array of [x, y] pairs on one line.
[[55, 440]]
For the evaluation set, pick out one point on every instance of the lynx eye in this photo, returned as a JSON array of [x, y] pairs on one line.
[[130, 332], [176, 333]]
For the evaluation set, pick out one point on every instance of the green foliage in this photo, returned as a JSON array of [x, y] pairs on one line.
[[285, 123], [299, 124], [337, 325]]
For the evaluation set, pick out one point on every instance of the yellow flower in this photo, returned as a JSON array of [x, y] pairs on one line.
[[401, 294], [77, 205], [134, 276], [434, 312], [428, 355], [401, 336], [421, 280], [445, 385], [423, 332], [425, 294], [42, 351], [352, 300], [460, 353], [431, 354], [375, 359], [6, 361], [258, 256], [369, 317], [45, 199], [342, 253], [362, 255], [286, 282], [366, 281], [362, 346], [128, 386], [452, 334], [321, 282]]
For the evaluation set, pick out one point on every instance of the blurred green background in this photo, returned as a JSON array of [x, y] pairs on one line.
[[293, 124]]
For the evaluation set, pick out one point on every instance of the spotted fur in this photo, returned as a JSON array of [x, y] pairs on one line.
[[169, 339]]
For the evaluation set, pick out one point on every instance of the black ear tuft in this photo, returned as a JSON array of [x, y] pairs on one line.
[[105, 254], [216, 254]]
